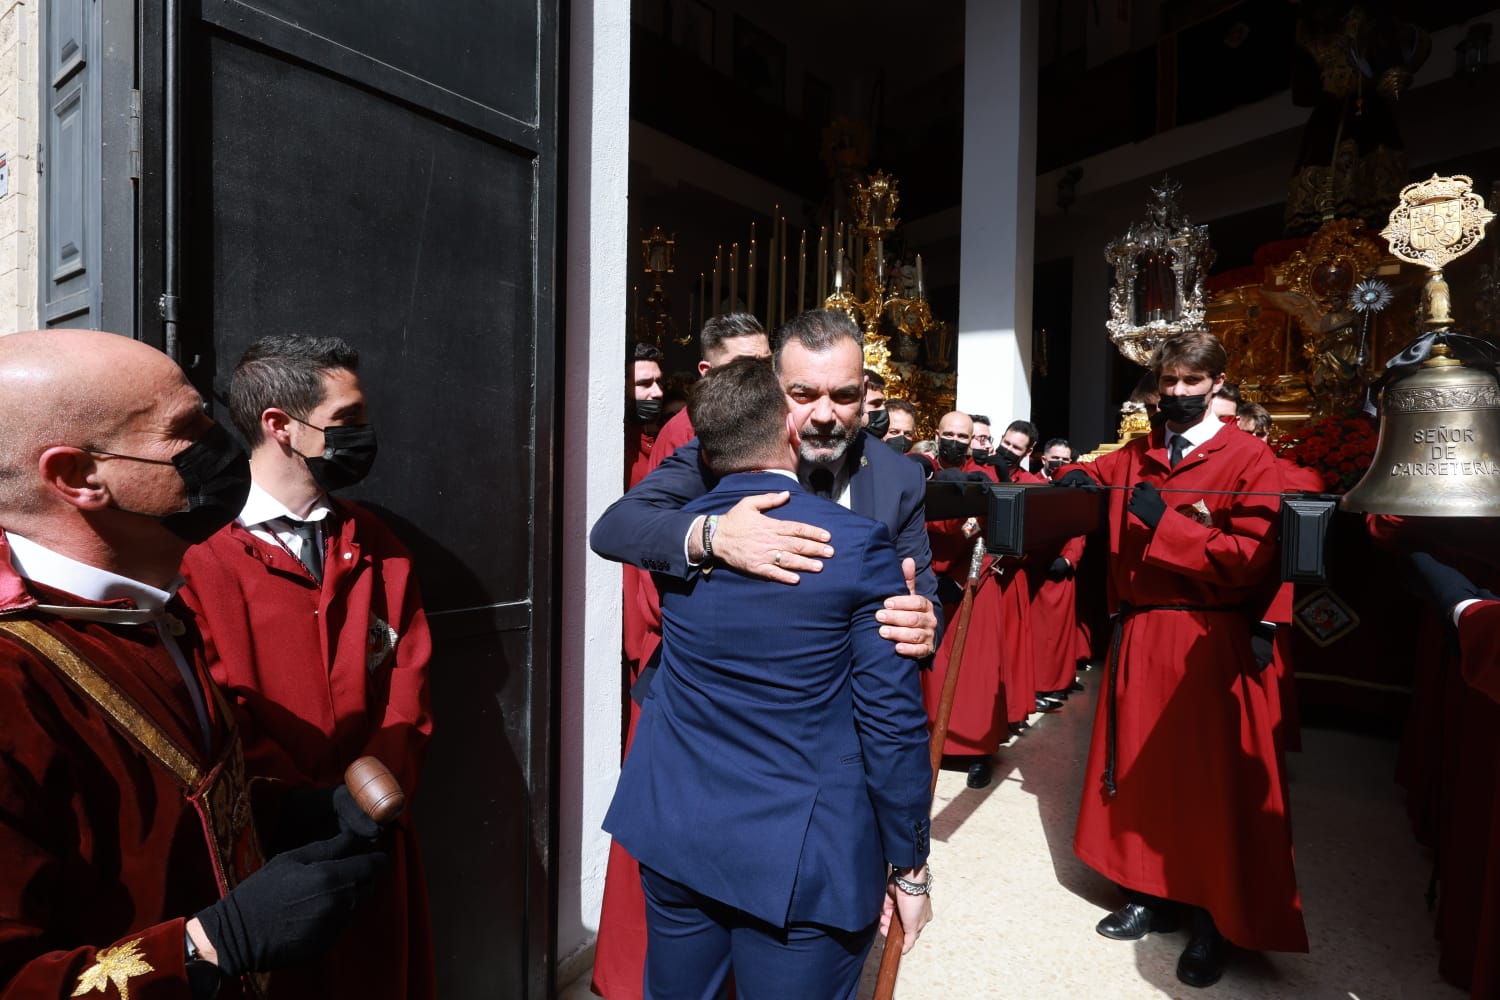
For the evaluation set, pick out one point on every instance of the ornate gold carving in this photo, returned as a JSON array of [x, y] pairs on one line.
[[114, 967], [1480, 396], [1438, 221]]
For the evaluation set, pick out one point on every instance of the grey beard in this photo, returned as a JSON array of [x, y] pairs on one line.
[[836, 448]]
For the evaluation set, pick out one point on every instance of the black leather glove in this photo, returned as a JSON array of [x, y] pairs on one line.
[[1263, 643], [1059, 569], [1440, 583], [1146, 503], [310, 814], [1078, 479], [293, 908]]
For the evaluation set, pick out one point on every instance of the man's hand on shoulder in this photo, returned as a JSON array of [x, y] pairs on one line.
[[749, 541], [908, 619]]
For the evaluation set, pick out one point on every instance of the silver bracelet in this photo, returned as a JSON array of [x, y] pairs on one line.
[[911, 888]]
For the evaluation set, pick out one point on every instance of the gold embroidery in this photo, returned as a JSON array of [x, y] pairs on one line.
[[104, 694], [114, 967]]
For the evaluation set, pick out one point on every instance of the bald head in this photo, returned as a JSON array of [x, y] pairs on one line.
[[71, 387], [957, 425]]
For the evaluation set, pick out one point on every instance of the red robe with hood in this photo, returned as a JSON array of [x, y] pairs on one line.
[[1200, 814], [99, 848], [328, 673]]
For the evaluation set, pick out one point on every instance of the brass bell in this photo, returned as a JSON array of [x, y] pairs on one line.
[[1439, 448]]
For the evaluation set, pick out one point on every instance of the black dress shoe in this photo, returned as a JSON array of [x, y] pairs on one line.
[[1202, 961], [1133, 921], [979, 773], [1076, 686], [1046, 704]]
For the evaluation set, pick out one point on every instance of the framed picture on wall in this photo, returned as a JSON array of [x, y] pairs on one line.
[[693, 28], [759, 63]]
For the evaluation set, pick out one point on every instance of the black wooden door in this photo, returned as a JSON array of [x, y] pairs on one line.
[[385, 171]]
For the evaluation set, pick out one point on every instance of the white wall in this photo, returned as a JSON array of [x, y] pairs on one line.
[[19, 49], [598, 129]]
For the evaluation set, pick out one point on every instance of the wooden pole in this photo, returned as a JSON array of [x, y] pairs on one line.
[[890, 958]]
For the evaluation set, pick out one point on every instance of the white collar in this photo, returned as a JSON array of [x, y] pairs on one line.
[[40, 564], [1197, 434], [261, 507]]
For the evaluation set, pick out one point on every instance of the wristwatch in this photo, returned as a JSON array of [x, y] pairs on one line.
[[911, 888], [204, 977]]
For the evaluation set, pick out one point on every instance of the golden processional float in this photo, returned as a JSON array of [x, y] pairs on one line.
[[845, 265]]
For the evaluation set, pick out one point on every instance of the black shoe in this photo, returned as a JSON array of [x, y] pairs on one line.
[[1133, 921], [1202, 961], [979, 773], [1077, 685], [1046, 703]]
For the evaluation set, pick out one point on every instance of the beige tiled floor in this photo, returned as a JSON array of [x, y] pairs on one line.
[[1016, 910]]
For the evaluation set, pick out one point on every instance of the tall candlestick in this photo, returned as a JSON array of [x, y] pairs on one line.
[[718, 263], [782, 303], [879, 266], [802, 274], [750, 270], [920, 290], [691, 317], [822, 265], [635, 313], [734, 277], [702, 300], [838, 272], [771, 274]]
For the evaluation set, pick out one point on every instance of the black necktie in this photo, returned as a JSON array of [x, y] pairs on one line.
[[1176, 448], [312, 552], [821, 481]]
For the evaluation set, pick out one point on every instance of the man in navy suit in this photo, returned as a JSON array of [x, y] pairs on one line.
[[777, 792], [819, 359]]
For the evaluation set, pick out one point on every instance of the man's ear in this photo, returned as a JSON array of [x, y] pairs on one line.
[[1218, 384], [703, 367], [72, 475], [794, 436], [275, 425]]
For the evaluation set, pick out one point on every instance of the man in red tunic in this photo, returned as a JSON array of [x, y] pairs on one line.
[[123, 808], [995, 685], [1059, 639], [620, 950], [313, 623], [1183, 800]]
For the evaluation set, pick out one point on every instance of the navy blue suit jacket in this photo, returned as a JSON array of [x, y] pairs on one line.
[[647, 526], [781, 757]]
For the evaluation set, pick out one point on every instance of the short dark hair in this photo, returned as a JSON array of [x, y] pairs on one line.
[[1025, 427], [980, 418], [902, 406], [1195, 350], [739, 414], [874, 379], [1229, 390], [643, 351], [1145, 389], [285, 371], [1259, 416], [1055, 442], [727, 326], [817, 330]]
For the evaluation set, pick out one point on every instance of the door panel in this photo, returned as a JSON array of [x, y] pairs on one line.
[[386, 172]]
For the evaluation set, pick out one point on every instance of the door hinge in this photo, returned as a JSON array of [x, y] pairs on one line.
[[135, 135]]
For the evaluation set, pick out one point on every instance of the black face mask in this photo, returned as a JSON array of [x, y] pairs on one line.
[[952, 452], [647, 410], [981, 455], [900, 443], [216, 472], [1182, 409], [348, 455], [1005, 457], [879, 422], [1053, 464]]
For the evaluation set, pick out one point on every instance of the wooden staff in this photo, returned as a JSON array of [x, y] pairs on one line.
[[890, 958]]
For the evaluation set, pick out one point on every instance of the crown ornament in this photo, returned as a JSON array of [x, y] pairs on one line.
[[1438, 221]]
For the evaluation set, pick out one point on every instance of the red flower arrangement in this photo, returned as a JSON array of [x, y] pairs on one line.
[[1340, 448]]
